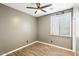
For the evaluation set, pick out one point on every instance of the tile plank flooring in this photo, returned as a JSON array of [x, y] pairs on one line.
[[39, 49]]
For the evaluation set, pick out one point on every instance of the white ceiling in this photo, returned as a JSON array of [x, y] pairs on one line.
[[54, 8]]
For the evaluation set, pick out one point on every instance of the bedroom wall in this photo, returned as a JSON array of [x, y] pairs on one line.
[[44, 33], [15, 29]]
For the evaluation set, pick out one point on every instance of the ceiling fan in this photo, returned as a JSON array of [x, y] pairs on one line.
[[39, 7]]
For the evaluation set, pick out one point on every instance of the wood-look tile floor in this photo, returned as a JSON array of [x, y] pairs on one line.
[[39, 49]]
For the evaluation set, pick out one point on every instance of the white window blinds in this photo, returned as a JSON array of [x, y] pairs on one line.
[[61, 24]]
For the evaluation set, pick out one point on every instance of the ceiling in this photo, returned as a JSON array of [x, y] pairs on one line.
[[54, 8]]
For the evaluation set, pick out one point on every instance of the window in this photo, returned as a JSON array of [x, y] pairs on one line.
[[61, 24]]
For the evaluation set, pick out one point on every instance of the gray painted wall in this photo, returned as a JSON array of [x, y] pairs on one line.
[[15, 29], [44, 33]]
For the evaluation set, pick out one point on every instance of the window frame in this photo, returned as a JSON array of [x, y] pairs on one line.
[[51, 22]]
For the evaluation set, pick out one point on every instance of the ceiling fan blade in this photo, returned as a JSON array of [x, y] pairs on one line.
[[35, 11], [32, 7], [46, 6], [43, 10]]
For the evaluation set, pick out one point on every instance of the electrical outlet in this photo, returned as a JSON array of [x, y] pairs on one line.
[[51, 41], [27, 41]]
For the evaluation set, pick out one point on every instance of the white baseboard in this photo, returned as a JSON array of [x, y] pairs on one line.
[[55, 46], [18, 48], [33, 43]]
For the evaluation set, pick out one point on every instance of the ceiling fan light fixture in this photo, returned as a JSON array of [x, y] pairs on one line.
[[40, 8]]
